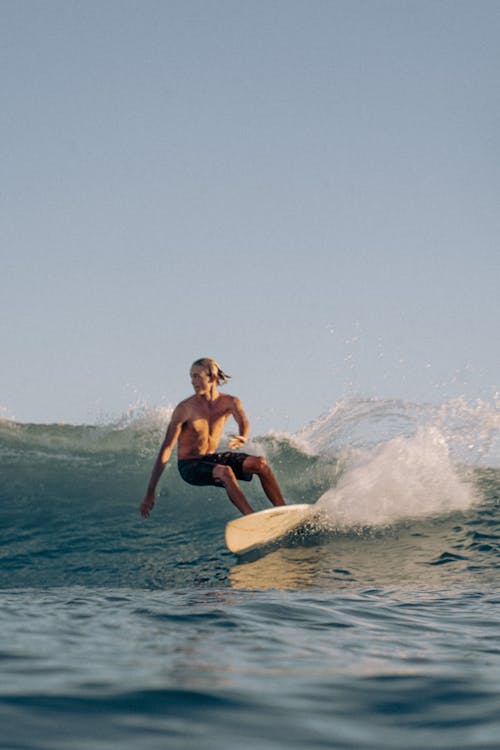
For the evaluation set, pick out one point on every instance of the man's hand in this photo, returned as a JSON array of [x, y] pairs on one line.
[[236, 442], [147, 504]]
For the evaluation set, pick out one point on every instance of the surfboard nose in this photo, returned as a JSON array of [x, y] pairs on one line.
[[266, 526]]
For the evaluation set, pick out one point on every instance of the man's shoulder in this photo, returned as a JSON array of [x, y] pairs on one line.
[[184, 407], [232, 402], [188, 402]]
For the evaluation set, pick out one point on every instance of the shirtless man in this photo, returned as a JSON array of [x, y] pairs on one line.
[[197, 423]]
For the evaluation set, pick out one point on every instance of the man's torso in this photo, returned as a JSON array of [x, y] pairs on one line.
[[203, 424]]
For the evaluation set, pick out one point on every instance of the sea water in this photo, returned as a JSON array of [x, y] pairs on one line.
[[377, 628]]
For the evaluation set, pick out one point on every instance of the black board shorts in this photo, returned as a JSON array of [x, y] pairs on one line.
[[199, 471]]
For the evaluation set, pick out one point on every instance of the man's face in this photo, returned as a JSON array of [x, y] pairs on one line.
[[200, 379]]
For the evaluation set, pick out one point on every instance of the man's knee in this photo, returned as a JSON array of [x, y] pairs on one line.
[[224, 474], [256, 465]]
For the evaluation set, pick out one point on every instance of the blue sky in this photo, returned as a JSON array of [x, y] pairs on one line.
[[306, 191]]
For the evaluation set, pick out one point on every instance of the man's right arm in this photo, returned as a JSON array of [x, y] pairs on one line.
[[171, 436]]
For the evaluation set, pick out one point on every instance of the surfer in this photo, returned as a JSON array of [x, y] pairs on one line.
[[197, 424]]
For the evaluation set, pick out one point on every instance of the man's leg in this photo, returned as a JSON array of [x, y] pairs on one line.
[[226, 475], [258, 465]]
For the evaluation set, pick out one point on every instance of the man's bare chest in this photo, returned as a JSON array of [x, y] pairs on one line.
[[209, 421], [209, 416]]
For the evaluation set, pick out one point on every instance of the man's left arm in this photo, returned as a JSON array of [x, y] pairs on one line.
[[241, 420]]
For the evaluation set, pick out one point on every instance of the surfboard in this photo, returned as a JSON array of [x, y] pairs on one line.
[[264, 527]]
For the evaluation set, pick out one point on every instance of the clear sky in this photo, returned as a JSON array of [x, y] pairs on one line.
[[308, 191]]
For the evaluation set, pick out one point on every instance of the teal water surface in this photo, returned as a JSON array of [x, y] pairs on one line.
[[379, 630]]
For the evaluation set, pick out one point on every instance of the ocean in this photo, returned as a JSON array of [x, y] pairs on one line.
[[376, 629]]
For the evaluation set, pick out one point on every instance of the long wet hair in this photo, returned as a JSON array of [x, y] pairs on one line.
[[213, 369]]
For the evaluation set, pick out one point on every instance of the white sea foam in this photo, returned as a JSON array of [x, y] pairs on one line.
[[399, 460], [406, 477]]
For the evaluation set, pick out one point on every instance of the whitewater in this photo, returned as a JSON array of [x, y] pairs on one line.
[[378, 627]]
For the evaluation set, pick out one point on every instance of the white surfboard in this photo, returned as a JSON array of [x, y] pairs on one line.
[[266, 526]]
